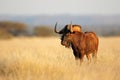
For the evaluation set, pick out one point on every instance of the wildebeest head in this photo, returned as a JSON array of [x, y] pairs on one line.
[[66, 40], [68, 29]]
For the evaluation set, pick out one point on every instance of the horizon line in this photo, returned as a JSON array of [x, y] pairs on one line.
[[68, 14]]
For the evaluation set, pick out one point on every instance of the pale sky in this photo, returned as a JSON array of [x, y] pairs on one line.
[[53, 7]]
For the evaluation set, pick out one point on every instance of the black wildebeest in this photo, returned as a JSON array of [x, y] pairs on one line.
[[81, 43]]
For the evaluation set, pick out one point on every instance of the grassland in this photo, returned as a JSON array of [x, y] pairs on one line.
[[46, 59]]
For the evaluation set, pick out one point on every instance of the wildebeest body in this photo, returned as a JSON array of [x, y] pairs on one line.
[[82, 44]]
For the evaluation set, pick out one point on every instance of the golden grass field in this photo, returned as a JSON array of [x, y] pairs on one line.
[[46, 59]]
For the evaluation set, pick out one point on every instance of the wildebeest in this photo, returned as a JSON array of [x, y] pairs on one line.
[[68, 28], [82, 44]]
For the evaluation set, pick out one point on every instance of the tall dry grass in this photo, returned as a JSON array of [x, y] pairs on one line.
[[46, 59]]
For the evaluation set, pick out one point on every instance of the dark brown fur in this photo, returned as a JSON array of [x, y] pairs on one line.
[[82, 44]]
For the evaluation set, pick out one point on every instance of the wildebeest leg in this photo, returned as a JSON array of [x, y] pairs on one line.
[[76, 57], [88, 57], [94, 55], [77, 60], [81, 59], [81, 56]]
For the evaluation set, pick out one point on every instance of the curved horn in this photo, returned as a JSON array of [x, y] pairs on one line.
[[55, 28], [71, 30]]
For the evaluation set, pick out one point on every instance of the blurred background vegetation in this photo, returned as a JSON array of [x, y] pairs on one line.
[[10, 29], [43, 31]]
